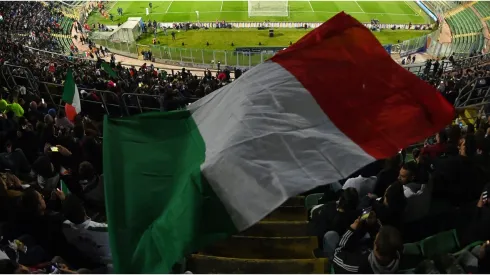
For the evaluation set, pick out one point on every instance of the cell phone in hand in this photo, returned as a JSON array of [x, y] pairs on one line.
[[365, 213], [54, 149]]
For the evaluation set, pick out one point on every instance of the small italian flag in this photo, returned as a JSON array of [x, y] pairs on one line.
[[71, 97]]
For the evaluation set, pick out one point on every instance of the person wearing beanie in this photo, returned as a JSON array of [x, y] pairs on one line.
[[52, 112]]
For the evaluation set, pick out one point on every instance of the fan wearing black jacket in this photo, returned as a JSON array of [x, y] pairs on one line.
[[334, 218], [353, 257]]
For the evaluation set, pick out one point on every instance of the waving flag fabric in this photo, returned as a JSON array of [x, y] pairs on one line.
[[316, 112]]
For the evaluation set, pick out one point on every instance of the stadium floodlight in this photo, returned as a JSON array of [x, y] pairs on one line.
[[278, 8]]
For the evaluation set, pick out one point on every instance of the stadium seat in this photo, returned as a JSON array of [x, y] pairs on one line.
[[468, 247], [312, 200], [412, 249], [444, 242]]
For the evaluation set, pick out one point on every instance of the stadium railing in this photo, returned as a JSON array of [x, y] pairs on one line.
[[50, 55], [12, 74]]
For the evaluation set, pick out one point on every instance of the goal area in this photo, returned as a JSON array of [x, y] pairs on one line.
[[268, 8]]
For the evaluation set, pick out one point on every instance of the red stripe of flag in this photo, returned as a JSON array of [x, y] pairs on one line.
[[378, 104]]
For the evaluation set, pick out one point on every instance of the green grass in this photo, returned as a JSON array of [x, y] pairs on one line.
[[222, 39], [391, 12], [220, 49]]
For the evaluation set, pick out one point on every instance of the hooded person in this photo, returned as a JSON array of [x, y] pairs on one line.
[[16, 109], [3, 105]]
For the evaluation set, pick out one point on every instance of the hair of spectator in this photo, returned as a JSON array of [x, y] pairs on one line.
[[410, 167], [470, 145], [389, 242], [86, 170], [395, 197], [73, 209], [349, 199], [443, 137], [454, 133], [30, 203]]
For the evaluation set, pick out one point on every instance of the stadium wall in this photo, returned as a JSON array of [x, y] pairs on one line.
[[426, 10]]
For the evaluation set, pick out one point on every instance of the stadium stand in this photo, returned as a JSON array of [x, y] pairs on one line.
[[456, 222], [484, 9], [440, 5], [466, 29]]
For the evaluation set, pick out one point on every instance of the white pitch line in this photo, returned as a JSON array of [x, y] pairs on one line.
[[414, 10], [221, 9], [359, 7], [352, 12], [168, 8], [311, 7]]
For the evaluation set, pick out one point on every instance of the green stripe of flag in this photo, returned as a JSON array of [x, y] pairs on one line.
[[69, 88], [107, 68], [159, 206]]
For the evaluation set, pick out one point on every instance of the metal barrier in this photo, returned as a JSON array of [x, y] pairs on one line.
[[93, 101], [474, 94], [11, 72], [133, 103], [51, 55]]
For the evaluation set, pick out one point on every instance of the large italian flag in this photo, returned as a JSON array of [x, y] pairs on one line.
[[314, 113], [71, 97]]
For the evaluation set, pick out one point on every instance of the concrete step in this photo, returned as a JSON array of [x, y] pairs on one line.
[[204, 264], [277, 229], [287, 213], [247, 247]]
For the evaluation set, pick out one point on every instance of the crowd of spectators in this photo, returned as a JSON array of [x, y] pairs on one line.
[[363, 221], [45, 229]]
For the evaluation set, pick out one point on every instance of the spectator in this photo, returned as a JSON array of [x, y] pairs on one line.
[[353, 257], [329, 221], [418, 195], [438, 148], [459, 178], [90, 237], [388, 175], [390, 208]]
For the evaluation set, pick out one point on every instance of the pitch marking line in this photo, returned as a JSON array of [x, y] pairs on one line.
[[414, 10], [311, 7], [353, 12], [221, 9], [168, 8], [359, 6]]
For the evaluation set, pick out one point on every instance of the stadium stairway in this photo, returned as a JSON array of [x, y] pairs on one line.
[[278, 244]]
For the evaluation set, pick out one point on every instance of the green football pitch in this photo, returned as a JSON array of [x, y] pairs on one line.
[[390, 12]]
